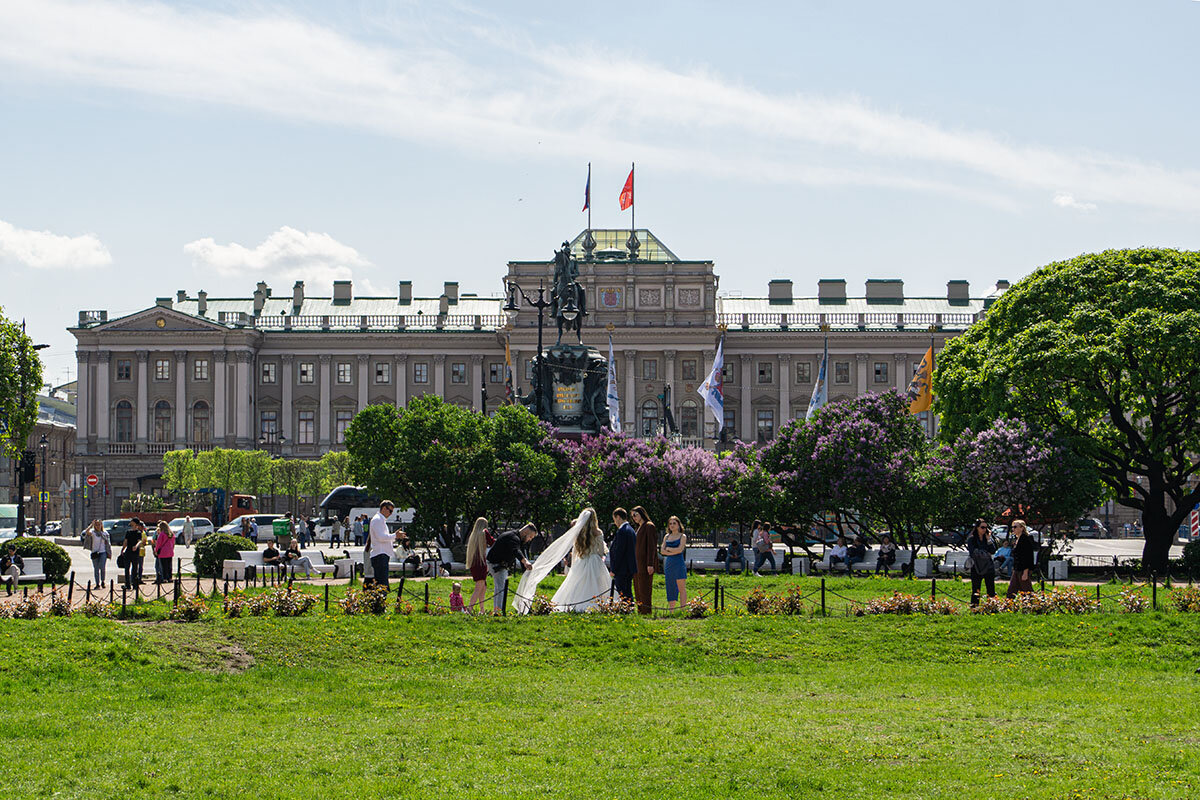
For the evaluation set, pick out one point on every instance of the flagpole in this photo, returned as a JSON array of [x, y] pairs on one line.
[[589, 198], [931, 329], [633, 201]]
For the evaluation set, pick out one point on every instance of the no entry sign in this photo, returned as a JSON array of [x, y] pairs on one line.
[[92, 480]]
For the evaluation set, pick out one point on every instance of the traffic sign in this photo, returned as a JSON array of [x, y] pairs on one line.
[[43, 497], [92, 480]]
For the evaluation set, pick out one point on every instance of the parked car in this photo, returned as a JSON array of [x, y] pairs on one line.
[[263, 521], [1090, 528], [201, 527], [1000, 533], [116, 529]]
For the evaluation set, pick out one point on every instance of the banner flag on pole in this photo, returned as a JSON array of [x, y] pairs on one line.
[[920, 390], [626, 198], [710, 390], [509, 393], [820, 395], [587, 191], [614, 401]]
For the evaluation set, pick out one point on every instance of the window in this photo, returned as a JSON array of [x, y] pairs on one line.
[[304, 428], [881, 372], [687, 369], [727, 373], [201, 431], [803, 372], [650, 369], [344, 372], [162, 421], [649, 418], [268, 426], [765, 422], [730, 429], [766, 372], [162, 369], [124, 369], [421, 373], [124, 419], [200, 369], [689, 421], [458, 372], [341, 422], [383, 372], [305, 372], [496, 372], [268, 372], [841, 372]]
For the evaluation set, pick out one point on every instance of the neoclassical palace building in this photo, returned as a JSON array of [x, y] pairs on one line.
[[289, 370]]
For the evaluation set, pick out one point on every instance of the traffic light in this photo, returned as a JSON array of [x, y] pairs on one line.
[[28, 466]]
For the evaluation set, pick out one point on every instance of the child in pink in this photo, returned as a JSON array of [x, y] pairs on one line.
[[456, 599]]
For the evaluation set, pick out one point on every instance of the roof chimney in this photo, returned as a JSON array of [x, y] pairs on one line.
[[1002, 286], [180, 295], [404, 293], [958, 292], [297, 296], [266, 290], [831, 290], [443, 305], [341, 292], [885, 290], [260, 298], [162, 302], [779, 291], [451, 292], [202, 302]]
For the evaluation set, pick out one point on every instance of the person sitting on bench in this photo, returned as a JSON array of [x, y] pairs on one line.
[[735, 552], [838, 554], [855, 553], [294, 561], [11, 567], [271, 557]]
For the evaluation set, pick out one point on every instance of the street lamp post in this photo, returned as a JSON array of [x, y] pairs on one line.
[[541, 304], [43, 445]]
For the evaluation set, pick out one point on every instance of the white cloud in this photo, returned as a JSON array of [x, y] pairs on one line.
[[419, 82], [46, 250], [1067, 200], [286, 255]]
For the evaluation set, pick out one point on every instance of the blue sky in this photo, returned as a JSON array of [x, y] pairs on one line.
[[147, 147]]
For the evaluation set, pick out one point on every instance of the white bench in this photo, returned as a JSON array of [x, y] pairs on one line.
[[33, 571], [706, 558], [956, 562], [233, 569], [447, 558], [870, 562]]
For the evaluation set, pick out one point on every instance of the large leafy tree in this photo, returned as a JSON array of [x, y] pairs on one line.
[[179, 472], [20, 379], [531, 470], [1102, 349]]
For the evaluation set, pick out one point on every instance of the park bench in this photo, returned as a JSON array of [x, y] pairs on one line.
[[447, 560], [34, 571], [706, 558], [956, 562]]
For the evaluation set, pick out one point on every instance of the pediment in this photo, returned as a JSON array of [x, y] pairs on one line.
[[161, 319]]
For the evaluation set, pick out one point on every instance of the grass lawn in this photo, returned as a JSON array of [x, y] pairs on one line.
[[324, 706]]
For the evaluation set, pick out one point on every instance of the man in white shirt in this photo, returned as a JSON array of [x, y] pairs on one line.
[[383, 543]]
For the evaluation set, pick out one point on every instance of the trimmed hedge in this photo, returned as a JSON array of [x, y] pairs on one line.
[[1191, 557], [215, 548], [55, 561]]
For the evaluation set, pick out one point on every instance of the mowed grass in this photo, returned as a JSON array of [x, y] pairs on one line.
[[328, 706]]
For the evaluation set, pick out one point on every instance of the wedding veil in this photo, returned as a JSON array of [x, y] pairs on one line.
[[550, 558]]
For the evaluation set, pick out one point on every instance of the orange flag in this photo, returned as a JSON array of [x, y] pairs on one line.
[[920, 390]]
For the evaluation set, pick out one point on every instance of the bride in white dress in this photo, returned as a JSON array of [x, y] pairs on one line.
[[587, 581]]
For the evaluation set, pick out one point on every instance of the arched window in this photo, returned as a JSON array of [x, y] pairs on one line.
[[650, 418], [162, 421], [201, 431], [689, 420], [124, 422]]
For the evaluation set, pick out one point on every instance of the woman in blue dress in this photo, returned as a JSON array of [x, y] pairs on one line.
[[674, 553]]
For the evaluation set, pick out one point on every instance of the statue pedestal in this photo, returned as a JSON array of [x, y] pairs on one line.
[[575, 400]]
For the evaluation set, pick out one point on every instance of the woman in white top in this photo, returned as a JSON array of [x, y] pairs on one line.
[[101, 550], [383, 543]]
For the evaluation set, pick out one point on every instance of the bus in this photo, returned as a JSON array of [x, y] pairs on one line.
[[8, 520]]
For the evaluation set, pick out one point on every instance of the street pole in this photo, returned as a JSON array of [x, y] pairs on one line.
[[43, 445]]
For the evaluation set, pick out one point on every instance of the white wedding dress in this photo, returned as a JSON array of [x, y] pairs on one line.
[[587, 581]]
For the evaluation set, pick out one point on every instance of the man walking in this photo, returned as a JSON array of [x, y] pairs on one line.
[[383, 543], [622, 556], [503, 555], [189, 531]]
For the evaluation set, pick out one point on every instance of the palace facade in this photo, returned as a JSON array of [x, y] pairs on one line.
[[287, 371]]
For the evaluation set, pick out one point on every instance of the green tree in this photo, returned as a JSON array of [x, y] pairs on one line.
[[312, 481], [256, 472], [371, 441], [335, 469], [531, 471], [220, 468], [179, 473], [20, 379], [289, 479], [1102, 349]]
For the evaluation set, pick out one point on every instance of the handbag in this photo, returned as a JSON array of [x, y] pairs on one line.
[[722, 554], [123, 559]]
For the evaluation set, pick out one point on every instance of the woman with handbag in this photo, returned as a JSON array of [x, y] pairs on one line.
[[101, 547], [1022, 555], [980, 549], [164, 552]]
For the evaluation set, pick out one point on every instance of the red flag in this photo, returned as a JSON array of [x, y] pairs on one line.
[[627, 192]]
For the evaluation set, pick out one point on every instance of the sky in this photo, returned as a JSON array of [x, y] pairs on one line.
[[147, 147]]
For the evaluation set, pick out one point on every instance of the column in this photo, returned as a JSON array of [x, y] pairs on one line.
[[861, 368], [143, 413], [242, 398], [402, 380], [902, 368], [287, 379], [439, 375], [477, 381], [746, 427], [181, 396], [83, 402], [102, 403], [785, 390], [324, 423], [220, 373], [630, 389], [669, 372], [362, 380]]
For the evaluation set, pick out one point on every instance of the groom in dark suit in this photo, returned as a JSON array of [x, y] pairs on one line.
[[622, 555]]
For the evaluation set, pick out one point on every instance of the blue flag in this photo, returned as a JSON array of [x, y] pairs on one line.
[[820, 395]]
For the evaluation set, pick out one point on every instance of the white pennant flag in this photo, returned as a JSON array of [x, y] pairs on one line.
[[710, 390], [614, 401], [820, 395]]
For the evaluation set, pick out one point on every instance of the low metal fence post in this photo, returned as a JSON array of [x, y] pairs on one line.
[[822, 597], [71, 587]]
